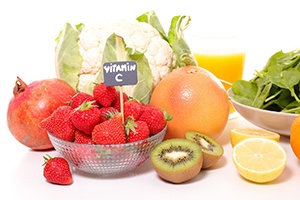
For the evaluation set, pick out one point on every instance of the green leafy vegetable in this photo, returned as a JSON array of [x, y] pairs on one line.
[[276, 87], [177, 42], [175, 36], [115, 49], [67, 54], [152, 19]]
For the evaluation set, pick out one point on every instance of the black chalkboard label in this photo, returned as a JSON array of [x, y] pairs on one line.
[[120, 73]]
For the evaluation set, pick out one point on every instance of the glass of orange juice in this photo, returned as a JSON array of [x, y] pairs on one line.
[[224, 56]]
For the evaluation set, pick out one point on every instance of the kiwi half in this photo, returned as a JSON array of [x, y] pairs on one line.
[[211, 149], [177, 160]]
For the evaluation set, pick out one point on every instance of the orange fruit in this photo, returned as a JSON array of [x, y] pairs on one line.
[[295, 136], [195, 98]]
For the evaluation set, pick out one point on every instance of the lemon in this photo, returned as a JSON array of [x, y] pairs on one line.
[[239, 134], [259, 160]]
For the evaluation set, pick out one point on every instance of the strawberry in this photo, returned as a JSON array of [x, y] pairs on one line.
[[155, 118], [107, 112], [57, 170], [104, 95], [133, 108], [117, 102], [59, 123], [81, 97], [110, 131], [82, 138], [136, 130], [86, 117]]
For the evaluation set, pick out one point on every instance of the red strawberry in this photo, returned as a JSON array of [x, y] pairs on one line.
[[117, 102], [133, 108], [82, 138], [57, 170], [136, 130], [107, 112], [110, 131], [86, 117], [154, 117], [104, 95], [59, 123], [81, 97]]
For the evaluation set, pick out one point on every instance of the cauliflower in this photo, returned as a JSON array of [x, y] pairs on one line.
[[80, 52], [137, 35]]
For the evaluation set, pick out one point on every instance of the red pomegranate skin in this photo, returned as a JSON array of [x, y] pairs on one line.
[[33, 103]]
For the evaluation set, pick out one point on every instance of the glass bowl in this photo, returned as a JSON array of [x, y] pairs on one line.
[[278, 122], [107, 160]]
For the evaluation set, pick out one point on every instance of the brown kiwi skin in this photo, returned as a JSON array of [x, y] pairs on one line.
[[183, 175], [208, 158]]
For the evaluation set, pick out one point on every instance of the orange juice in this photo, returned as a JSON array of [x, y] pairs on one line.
[[226, 66]]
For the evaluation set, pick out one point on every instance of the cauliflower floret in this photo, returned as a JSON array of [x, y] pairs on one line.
[[156, 55], [140, 36], [91, 45]]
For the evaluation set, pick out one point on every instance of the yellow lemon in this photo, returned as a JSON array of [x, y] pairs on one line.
[[259, 160], [239, 134]]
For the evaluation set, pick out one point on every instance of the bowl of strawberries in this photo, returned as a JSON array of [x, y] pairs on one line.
[[104, 134]]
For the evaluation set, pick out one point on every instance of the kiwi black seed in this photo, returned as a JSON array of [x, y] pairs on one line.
[[177, 160], [211, 149]]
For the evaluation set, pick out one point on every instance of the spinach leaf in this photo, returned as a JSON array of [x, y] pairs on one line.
[[262, 96], [276, 87], [293, 107], [244, 92], [285, 78]]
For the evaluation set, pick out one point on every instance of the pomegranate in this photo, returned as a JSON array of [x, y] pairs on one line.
[[33, 103]]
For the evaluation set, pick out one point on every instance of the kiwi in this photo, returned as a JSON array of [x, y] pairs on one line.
[[211, 149], [177, 160]]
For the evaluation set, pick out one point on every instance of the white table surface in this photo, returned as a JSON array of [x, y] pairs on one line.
[[28, 29], [22, 177]]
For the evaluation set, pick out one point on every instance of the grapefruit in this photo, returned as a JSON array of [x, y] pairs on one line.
[[195, 98]]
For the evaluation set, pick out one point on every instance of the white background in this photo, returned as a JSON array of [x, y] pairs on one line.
[[28, 30]]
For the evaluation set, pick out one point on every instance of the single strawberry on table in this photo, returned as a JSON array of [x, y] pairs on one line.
[[86, 117], [104, 95], [59, 123], [57, 170], [110, 132]]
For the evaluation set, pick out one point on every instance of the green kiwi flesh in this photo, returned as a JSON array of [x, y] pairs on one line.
[[177, 160], [212, 150]]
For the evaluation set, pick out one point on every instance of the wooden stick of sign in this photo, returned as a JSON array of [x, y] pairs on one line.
[[118, 74], [121, 103]]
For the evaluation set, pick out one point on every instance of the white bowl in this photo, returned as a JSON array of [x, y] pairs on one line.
[[278, 122]]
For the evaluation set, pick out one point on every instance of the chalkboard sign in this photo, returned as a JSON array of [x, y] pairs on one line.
[[120, 73]]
